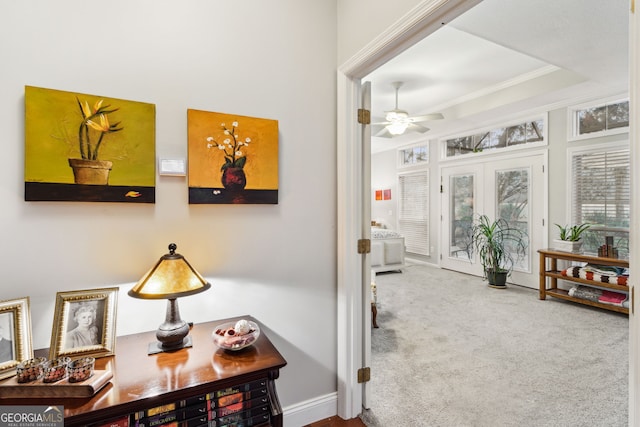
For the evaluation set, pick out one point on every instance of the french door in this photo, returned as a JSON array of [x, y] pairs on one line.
[[509, 187]]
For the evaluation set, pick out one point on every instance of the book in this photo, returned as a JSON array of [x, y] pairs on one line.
[[118, 422], [230, 399], [237, 389], [240, 406], [166, 408], [259, 420], [262, 411], [180, 414], [192, 422]]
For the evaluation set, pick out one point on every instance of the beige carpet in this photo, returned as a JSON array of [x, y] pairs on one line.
[[450, 351]]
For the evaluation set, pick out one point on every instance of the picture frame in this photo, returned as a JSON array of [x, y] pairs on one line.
[[84, 323], [70, 158], [15, 335]]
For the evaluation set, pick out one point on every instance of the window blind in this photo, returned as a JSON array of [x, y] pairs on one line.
[[413, 217], [600, 196]]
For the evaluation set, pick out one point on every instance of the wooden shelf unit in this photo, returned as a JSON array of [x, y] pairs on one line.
[[549, 275], [142, 381]]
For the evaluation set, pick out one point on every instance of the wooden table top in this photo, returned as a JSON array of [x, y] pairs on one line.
[[141, 380]]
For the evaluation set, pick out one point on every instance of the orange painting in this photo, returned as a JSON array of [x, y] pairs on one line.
[[232, 158]]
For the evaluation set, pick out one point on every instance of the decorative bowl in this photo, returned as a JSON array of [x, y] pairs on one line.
[[55, 370], [235, 335], [80, 369], [30, 370]]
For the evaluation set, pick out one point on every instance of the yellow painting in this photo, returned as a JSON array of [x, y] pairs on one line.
[[81, 147], [232, 158]]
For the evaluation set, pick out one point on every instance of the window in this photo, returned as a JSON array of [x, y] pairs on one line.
[[600, 196], [414, 155], [413, 217], [502, 137], [599, 120]]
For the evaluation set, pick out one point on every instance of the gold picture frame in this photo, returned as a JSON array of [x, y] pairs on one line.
[[84, 323], [15, 335]]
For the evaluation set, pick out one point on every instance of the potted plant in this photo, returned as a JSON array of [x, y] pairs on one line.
[[499, 245], [235, 157], [570, 237], [94, 126]]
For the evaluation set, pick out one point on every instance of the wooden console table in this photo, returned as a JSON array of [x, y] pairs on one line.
[[141, 382], [549, 270]]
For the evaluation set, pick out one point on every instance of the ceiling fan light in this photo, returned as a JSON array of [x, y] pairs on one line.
[[393, 116], [397, 128]]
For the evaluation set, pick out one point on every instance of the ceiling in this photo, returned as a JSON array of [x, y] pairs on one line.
[[506, 58]]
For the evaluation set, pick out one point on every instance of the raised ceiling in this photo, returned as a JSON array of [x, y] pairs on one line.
[[505, 58]]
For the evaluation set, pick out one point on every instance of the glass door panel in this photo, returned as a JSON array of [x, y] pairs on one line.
[[461, 199], [512, 205]]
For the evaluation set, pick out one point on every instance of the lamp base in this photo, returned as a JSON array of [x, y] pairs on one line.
[[156, 346]]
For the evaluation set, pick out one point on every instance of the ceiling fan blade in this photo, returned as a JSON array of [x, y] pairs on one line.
[[380, 123], [416, 128], [426, 117], [383, 133]]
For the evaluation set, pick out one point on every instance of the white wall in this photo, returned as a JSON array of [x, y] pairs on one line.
[[272, 59], [384, 175]]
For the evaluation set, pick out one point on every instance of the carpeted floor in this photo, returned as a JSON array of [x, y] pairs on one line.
[[450, 351]]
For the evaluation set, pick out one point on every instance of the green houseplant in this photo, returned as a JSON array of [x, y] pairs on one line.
[[499, 245], [570, 237]]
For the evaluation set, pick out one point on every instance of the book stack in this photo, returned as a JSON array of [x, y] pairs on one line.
[[607, 250], [245, 405]]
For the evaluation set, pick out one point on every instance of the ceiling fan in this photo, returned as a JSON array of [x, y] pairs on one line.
[[397, 121]]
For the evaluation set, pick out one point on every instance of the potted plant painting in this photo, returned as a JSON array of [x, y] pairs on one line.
[[235, 157], [93, 128], [570, 237], [499, 246]]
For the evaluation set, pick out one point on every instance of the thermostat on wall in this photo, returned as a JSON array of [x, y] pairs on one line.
[[174, 167]]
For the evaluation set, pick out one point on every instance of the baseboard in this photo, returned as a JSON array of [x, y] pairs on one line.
[[310, 411], [409, 260]]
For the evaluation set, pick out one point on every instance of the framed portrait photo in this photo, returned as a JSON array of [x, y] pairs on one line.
[[15, 335], [84, 323]]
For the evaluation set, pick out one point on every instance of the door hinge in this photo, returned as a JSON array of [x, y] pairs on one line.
[[364, 246], [633, 299], [364, 116], [364, 375]]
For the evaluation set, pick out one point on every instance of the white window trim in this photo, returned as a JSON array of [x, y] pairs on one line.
[[442, 142], [572, 122]]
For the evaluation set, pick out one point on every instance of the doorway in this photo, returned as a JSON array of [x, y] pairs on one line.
[[350, 303], [512, 188]]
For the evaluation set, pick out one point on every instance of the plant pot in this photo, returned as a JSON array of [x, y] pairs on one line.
[[567, 246], [234, 179], [91, 172], [496, 279]]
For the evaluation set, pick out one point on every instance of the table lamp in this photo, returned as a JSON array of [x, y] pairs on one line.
[[172, 277]]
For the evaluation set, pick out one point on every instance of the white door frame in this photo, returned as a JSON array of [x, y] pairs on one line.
[[424, 19], [634, 235], [419, 22]]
